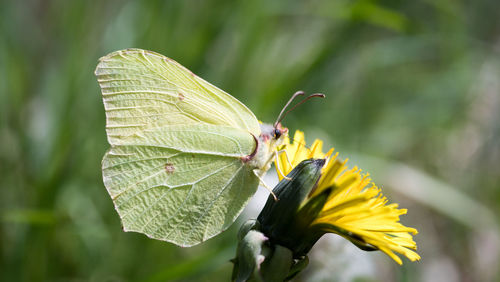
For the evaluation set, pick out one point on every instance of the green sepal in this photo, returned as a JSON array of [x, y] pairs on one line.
[[276, 266], [250, 224], [305, 216], [278, 219], [355, 239], [249, 255]]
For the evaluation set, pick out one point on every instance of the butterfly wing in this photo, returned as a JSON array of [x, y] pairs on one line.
[[142, 89], [174, 170]]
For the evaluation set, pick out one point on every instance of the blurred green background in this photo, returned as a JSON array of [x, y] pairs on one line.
[[413, 97]]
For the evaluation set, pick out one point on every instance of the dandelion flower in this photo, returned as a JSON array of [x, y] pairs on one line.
[[354, 206]]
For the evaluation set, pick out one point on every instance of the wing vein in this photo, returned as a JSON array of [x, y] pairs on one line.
[[212, 202]]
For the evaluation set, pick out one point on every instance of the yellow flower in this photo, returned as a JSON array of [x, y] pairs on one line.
[[355, 207]]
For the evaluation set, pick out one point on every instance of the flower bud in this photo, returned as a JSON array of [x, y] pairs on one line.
[[285, 222]]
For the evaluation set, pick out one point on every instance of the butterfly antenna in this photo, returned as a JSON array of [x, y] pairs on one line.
[[298, 93], [295, 95]]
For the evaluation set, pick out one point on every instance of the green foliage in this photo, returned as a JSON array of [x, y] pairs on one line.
[[415, 82]]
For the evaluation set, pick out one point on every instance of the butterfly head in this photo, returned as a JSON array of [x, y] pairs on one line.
[[273, 135], [279, 131]]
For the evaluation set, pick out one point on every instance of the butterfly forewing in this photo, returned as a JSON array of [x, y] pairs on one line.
[[142, 89]]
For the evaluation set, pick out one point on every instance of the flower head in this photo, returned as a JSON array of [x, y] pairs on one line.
[[353, 206]]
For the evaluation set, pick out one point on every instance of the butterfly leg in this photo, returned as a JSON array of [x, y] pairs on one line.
[[276, 156], [257, 173]]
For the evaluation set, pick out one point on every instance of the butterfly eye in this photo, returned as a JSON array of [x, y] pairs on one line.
[[277, 133]]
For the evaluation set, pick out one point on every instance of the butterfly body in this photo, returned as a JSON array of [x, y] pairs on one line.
[[267, 142], [185, 156]]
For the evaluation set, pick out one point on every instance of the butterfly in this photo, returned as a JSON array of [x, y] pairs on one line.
[[185, 156]]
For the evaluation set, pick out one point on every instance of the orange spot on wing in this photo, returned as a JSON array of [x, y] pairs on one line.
[[169, 168]]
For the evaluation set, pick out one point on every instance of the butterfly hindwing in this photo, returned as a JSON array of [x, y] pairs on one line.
[[174, 196]]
